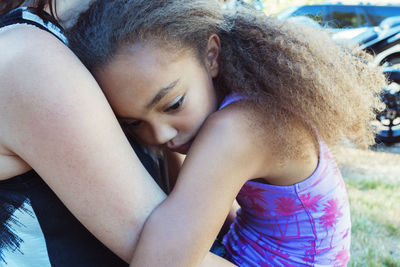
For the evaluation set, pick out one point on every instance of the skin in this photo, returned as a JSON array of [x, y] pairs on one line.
[[172, 120], [226, 150], [67, 11], [65, 130], [57, 121]]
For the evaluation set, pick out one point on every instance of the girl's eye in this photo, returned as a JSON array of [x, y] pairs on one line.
[[131, 124], [176, 104]]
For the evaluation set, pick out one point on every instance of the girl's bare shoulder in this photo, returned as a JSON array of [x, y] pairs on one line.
[[246, 124], [250, 131], [239, 130]]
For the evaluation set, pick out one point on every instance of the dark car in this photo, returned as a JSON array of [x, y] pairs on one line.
[[344, 16]]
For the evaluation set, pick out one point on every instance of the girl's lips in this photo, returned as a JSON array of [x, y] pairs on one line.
[[183, 149]]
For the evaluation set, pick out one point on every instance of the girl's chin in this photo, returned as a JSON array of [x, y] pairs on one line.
[[183, 149], [180, 150]]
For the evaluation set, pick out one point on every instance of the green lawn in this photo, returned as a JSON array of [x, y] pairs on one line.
[[375, 211]]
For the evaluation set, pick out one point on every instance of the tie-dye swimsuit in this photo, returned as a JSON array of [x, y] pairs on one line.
[[305, 224]]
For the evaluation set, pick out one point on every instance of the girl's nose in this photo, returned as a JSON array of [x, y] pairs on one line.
[[162, 134]]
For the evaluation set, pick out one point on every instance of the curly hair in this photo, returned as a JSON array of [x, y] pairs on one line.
[[291, 72]]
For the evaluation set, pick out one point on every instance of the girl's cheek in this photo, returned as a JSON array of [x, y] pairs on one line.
[[144, 134]]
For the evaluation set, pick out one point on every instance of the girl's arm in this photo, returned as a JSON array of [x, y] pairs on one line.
[[229, 219], [175, 162], [212, 260], [54, 116], [225, 154]]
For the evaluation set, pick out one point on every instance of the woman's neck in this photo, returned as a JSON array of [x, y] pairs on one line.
[[68, 11]]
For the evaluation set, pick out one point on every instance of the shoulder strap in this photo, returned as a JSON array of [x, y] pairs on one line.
[[35, 17], [231, 98]]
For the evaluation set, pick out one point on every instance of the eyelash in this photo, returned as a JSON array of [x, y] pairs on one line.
[[176, 106], [130, 124], [172, 108]]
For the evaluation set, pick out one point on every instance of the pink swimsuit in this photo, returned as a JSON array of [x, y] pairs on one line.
[[305, 224]]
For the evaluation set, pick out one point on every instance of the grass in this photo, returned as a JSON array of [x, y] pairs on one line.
[[375, 211]]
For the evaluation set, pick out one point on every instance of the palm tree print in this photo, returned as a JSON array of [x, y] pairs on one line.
[[254, 198], [342, 257], [265, 231], [268, 253], [331, 214], [310, 203], [330, 217], [286, 207]]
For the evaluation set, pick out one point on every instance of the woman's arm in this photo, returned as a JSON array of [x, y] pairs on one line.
[[223, 157], [55, 117]]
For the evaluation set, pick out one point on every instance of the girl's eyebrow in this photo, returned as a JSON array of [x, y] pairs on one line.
[[161, 93]]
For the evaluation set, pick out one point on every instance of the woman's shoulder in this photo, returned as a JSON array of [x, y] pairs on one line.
[[36, 71], [23, 43], [34, 58], [41, 78]]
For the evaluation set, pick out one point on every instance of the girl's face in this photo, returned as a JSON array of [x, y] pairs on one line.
[[163, 97]]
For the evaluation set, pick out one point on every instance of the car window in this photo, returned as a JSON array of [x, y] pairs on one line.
[[286, 13], [362, 18], [379, 13], [346, 17], [314, 12]]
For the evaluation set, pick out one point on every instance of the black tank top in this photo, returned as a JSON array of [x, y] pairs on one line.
[[36, 229]]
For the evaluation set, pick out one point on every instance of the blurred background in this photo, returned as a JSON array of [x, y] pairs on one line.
[[276, 6], [372, 176]]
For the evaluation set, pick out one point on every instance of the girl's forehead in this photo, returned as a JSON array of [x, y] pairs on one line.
[[163, 51], [141, 70], [149, 65]]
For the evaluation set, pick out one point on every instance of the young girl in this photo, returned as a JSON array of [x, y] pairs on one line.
[[254, 103]]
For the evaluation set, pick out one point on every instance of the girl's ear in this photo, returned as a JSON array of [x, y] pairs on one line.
[[211, 57]]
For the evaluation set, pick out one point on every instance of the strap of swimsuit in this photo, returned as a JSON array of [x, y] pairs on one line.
[[35, 17]]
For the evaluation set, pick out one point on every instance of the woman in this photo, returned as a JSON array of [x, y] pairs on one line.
[[60, 144]]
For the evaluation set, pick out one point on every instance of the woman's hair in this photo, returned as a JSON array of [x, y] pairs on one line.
[[291, 72], [6, 6]]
